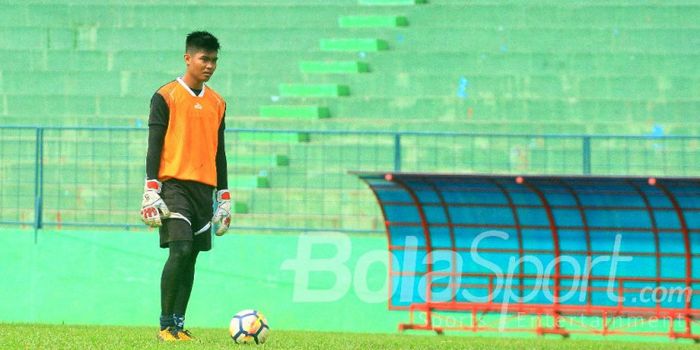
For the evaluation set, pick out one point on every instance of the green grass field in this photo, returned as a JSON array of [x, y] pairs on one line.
[[29, 336]]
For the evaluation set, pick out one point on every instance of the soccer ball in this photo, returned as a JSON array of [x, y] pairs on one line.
[[249, 326]]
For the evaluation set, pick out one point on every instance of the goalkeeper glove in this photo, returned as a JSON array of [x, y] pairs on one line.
[[152, 206], [222, 216]]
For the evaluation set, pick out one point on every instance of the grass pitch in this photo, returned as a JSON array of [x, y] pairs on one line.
[[30, 336]]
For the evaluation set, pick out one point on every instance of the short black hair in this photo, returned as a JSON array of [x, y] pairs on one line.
[[201, 41]]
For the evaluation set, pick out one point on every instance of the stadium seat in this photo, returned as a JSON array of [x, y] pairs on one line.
[[329, 67], [279, 111]]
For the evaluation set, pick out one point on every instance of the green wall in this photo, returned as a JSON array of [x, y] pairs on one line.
[[112, 278]]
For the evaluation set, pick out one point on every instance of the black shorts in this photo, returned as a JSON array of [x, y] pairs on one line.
[[191, 209]]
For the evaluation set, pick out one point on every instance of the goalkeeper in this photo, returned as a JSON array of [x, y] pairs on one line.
[[185, 164]]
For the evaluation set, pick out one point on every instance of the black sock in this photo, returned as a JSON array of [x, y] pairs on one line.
[[175, 273], [166, 321], [185, 289]]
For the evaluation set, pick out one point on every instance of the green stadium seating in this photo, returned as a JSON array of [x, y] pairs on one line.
[[353, 44], [240, 207], [329, 67], [313, 90], [294, 111], [23, 38], [597, 65], [70, 60], [238, 181], [58, 105], [64, 83], [61, 39], [262, 160], [372, 21], [390, 2], [267, 137]]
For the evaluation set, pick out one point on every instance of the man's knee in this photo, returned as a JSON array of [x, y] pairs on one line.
[[182, 251]]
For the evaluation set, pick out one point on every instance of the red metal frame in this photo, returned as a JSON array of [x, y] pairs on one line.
[[688, 258], [584, 225], [518, 227], [428, 242], [387, 224], [564, 313], [568, 228], [451, 229], [557, 267], [538, 311], [655, 231]]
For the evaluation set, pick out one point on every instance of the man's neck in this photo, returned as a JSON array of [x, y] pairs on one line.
[[194, 84]]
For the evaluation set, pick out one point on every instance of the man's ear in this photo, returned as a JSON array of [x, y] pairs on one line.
[[188, 58]]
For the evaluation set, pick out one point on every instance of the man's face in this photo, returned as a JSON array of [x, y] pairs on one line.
[[201, 64]]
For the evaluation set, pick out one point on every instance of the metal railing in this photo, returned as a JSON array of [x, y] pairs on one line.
[[295, 179]]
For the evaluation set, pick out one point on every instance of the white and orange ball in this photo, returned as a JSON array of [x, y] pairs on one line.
[[249, 327]]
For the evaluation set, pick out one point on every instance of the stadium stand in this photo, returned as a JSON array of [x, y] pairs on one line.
[[527, 68], [597, 67]]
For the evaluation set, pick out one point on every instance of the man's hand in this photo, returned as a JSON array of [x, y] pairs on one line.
[[152, 206], [222, 216]]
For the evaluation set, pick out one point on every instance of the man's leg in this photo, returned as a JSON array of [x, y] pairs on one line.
[[176, 270], [184, 291]]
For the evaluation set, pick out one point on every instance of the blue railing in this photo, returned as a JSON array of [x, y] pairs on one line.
[[295, 179]]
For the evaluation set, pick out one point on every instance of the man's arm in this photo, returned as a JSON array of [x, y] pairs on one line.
[[221, 165], [152, 206], [222, 216], [157, 125]]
